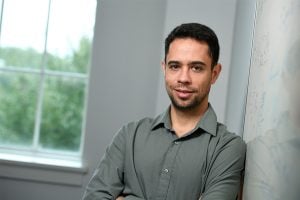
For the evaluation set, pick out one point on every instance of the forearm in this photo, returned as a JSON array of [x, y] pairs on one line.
[[224, 180], [107, 181]]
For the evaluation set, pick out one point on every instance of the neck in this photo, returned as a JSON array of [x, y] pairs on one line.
[[184, 121]]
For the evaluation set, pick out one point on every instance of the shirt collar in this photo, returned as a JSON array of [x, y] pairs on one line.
[[162, 120], [208, 122]]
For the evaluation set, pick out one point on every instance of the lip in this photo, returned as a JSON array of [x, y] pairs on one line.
[[184, 94]]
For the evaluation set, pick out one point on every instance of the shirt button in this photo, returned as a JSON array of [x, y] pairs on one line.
[[166, 170], [176, 142]]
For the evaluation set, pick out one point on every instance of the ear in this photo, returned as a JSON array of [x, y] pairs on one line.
[[163, 67], [216, 70]]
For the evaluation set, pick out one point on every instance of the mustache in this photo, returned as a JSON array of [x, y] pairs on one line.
[[184, 88]]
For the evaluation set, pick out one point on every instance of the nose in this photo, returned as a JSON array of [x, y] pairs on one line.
[[184, 76]]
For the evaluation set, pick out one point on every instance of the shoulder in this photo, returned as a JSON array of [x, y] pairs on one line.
[[143, 125], [128, 132], [146, 122], [228, 140]]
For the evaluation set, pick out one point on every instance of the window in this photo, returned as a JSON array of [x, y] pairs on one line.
[[45, 47]]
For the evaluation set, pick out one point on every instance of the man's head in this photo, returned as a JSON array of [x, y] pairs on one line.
[[197, 32], [190, 65]]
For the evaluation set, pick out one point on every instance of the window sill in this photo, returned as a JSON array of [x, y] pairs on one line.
[[47, 170]]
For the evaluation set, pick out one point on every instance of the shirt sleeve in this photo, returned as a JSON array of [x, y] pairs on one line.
[[227, 166], [107, 181], [131, 197]]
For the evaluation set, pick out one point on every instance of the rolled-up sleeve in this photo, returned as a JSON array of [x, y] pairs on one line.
[[224, 177], [107, 181]]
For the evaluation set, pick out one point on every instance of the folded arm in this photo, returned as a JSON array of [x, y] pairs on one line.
[[224, 177], [107, 181]]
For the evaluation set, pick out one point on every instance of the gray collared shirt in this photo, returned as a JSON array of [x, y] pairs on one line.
[[146, 160]]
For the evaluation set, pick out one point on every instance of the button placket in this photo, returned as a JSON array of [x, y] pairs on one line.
[[166, 173]]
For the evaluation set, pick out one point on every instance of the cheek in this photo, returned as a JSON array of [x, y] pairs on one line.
[[167, 80], [202, 82], [170, 79], [168, 84]]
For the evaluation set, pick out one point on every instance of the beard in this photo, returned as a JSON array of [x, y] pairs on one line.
[[188, 104]]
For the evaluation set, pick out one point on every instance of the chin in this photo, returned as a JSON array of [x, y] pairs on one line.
[[185, 106]]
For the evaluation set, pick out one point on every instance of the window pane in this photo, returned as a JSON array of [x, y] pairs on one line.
[[18, 96], [23, 32], [70, 34], [62, 113]]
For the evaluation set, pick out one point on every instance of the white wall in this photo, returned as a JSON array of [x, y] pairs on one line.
[[125, 79]]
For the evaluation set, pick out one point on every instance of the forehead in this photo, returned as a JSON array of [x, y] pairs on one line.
[[187, 48]]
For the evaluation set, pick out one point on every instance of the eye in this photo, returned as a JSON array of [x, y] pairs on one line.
[[174, 67], [197, 68]]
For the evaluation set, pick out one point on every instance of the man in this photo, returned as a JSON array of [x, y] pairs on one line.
[[184, 153]]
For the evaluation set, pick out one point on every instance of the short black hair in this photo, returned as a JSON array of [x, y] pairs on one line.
[[197, 32]]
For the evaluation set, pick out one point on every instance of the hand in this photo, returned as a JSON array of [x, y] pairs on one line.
[[120, 198]]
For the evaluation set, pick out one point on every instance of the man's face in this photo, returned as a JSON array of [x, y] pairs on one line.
[[188, 73]]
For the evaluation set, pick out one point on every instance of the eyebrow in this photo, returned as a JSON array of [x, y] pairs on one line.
[[173, 62], [197, 63], [191, 63]]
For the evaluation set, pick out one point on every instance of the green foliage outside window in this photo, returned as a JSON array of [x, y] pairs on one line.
[[63, 99]]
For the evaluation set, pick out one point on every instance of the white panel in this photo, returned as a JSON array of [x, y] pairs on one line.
[[272, 129]]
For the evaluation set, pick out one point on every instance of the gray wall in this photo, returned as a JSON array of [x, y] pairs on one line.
[[240, 65], [124, 76], [125, 79]]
